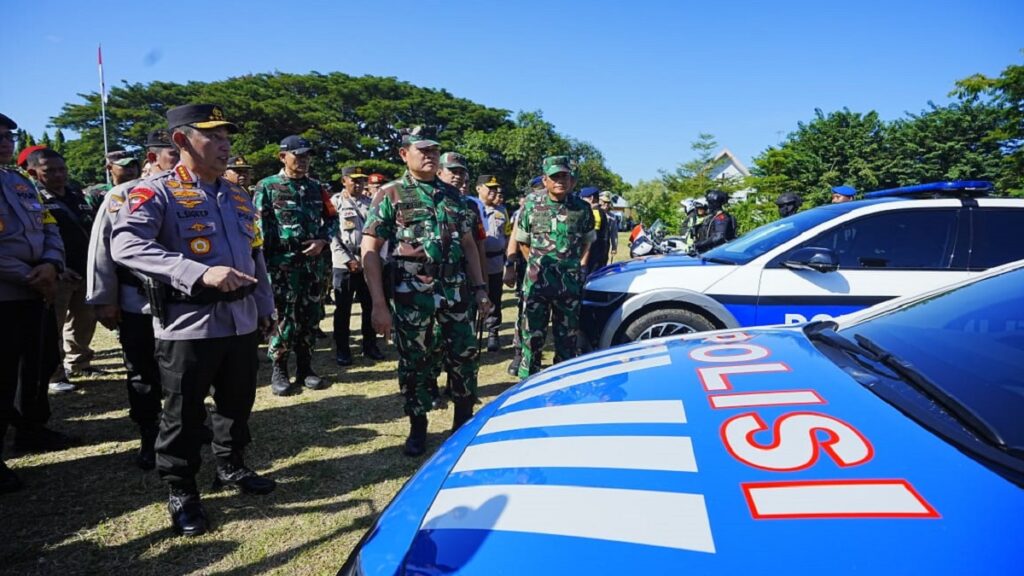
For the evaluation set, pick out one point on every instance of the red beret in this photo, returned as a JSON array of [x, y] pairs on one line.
[[23, 156], [376, 178]]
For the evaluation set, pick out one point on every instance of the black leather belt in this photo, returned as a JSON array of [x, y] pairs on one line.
[[211, 295]]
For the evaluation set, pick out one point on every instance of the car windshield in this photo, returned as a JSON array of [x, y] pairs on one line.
[[969, 342], [760, 240]]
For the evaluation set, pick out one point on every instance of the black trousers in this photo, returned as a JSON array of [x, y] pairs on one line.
[[189, 371], [494, 287], [349, 287], [139, 351], [28, 356]]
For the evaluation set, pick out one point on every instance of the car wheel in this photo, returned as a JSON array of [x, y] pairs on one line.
[[666, 322]]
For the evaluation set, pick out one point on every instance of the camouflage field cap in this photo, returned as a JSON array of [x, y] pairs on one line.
[[201, 116], [121, 158], [554, 164], [418, 137], [605, 196], [238, 163], [451, 160]]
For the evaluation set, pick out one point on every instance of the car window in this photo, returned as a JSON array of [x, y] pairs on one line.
[[903, 239], [762, 239], [996, 234], [969, 341]]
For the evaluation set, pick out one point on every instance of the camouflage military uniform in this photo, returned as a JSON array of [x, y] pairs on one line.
[[292, 212], [558, 234], [423, 222]]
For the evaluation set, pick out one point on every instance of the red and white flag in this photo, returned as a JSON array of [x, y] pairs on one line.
[[103, 84]]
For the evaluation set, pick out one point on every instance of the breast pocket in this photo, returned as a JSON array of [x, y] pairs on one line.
[[34, 211], [414, 223], [200, 237]]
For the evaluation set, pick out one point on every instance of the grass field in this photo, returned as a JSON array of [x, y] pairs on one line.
[[335, 453]]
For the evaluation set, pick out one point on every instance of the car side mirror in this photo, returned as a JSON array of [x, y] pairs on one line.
[[812, 258]]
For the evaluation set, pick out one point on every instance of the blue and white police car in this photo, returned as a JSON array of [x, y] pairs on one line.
[[885, 442], [814, 265]]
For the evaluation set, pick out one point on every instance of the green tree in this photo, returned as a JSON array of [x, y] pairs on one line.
[[943, 143], [652, 200], [693, 178], [58, 141], [348, 119], [841, 147], [1005, 93]]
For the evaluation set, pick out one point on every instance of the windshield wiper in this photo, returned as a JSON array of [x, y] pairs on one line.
[[916, 378], [825, 331], [717, 260]]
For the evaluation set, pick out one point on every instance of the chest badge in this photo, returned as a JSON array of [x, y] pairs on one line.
[[199, 246]]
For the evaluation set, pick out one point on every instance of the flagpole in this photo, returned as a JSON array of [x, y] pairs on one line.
[[103, 105]]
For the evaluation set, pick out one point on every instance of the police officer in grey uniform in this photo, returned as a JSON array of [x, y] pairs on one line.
[[495, 227], [348, 281], [120, 302], [31, 257], [195, 235]]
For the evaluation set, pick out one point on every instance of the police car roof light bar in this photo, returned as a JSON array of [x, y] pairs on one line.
[[953, 188]]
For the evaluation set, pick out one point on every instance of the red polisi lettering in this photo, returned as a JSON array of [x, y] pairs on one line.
[[795, 444]]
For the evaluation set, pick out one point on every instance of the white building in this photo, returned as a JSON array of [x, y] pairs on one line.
[[728, 167]]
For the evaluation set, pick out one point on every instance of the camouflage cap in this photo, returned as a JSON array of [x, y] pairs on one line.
[[605, 196], [451, 160], [418, 137], [555, 164], [121, 158], [238, 163]]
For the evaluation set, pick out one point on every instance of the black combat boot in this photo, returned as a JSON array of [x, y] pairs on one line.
[[493, 344], [416, 443], [304, 373], [238, 475], [279, 383], [187, 515], [463, 412], [145, 458]]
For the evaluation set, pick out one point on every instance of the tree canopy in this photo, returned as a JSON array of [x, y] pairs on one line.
[[348, 119]]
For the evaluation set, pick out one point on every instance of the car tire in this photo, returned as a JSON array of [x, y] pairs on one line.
[[666, 322]]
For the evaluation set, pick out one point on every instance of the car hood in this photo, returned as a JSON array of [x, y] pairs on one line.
[[673, 455], [653, 272]]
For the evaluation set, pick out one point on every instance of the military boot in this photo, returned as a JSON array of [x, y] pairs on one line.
[[279, 383], [187, 515], [416, 443], [304, 374], [493, 344], [463, 412]]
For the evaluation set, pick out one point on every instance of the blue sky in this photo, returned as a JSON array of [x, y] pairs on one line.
[[638, 79]]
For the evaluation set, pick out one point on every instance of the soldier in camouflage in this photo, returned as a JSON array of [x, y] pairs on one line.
[[296, 226], [554, 235], [435, 276]]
